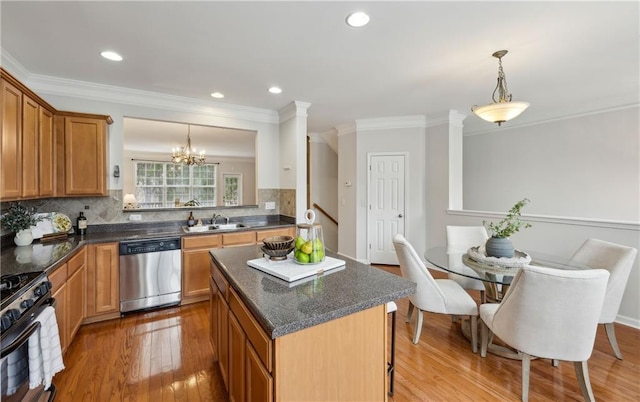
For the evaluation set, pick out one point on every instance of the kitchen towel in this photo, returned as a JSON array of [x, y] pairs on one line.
[[45, 353]]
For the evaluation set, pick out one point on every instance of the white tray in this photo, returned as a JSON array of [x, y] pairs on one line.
[[290, 271]]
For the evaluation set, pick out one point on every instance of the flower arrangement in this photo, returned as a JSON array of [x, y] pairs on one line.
[[511, 223], [18, 217]]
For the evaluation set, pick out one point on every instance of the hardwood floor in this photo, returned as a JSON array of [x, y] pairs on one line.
[[165, 356]]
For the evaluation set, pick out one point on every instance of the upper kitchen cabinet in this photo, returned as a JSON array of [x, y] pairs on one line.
[[27, 149], [81, 146]]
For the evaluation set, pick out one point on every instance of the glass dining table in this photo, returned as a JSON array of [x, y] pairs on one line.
[[496, 278]]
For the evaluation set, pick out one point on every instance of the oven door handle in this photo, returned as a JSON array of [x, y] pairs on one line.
[[20, 340]]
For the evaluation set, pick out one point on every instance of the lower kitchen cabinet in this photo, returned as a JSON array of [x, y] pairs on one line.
[[103, 282], [68, 288], [195, 266], [259, 383], [237, 347]]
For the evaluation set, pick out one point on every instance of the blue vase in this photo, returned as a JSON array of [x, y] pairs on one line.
[[499, 247]]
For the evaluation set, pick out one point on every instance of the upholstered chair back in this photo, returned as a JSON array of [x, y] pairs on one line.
[[552, 313]]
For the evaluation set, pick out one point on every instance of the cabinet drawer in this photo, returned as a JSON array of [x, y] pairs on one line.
[[212, 241], [220, 280], [238, 239], [58, 277], [77, 261], [255, 334], [262, 234]]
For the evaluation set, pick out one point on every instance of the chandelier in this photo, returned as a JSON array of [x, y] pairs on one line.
[[187, 155], [503, 109]]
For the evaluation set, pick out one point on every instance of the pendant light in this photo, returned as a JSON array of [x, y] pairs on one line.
[[502, 109]]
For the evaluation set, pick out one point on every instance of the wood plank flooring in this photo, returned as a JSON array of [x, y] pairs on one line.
[[165, 356]]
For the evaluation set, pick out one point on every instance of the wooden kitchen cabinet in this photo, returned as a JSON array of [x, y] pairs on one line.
[[30, 154], [26, 150], [81, 149], [195, 266], [46, 156], [103, 286], [238, 239], [11, 144], [263, 234], [219, 324], [237, 347], [68, 288]]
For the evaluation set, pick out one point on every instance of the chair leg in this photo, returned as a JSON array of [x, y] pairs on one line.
[[409, 313], [611, 334], [526, 369], [484, 338], [582, 372], [416, 334], [483, 297], [474, 333], [392, 363], [555, 362]]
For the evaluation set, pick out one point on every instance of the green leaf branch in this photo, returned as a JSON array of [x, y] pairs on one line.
[[511, 223]]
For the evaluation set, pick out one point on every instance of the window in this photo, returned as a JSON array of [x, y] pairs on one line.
[[232, 189], [165, 184]]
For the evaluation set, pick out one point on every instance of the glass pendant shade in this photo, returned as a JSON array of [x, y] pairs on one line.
[[500, 112]]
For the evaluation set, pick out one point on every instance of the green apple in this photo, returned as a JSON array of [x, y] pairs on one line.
[[299, 242], [317, 244], [315, 257]]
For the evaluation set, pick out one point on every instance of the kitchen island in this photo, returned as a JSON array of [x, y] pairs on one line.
[[323, 338]]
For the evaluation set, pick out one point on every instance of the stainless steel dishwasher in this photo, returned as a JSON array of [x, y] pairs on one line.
[[150, 273]]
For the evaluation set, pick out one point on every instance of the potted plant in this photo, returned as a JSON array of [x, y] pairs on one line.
[[19, 219], [499, 244]]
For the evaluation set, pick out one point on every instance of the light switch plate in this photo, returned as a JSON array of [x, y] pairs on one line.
[[270, 205], [135, 217]]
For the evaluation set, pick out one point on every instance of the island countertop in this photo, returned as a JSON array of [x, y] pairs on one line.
[[282, 308]]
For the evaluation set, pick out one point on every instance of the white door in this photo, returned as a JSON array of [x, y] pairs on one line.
[[386, 206]]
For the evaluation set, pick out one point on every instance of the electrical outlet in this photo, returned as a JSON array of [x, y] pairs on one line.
[[87, 207], [270, 205], [135, 217]]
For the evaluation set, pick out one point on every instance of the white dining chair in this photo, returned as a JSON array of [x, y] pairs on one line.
[[548, 313], [442, 296], [618, 260], [459, 240]]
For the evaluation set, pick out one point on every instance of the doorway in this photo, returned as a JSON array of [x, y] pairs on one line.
[[386, 199]]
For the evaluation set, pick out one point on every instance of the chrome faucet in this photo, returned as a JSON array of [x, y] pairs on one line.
[[216, 216]]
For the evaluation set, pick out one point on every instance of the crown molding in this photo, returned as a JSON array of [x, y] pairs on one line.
[[316, 138], [451, 117], [13, 66], [293, 109], [107, 93], [386, 123], [345, 129]]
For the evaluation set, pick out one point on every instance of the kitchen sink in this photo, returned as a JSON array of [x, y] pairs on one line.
[[214, 228]]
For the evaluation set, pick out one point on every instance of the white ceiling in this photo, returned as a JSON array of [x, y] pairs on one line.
[[413, 58]]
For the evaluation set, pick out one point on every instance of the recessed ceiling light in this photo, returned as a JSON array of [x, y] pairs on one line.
[[357, 19], [217, 95], [275, 90], [108, 54]]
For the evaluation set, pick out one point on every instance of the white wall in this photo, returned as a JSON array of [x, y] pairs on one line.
[[347, 202], [587, 167]]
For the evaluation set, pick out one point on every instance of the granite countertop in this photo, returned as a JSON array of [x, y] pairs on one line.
[[47, 256], [282, 308]]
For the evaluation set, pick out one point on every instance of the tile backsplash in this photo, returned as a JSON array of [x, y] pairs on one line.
[[108, 210]]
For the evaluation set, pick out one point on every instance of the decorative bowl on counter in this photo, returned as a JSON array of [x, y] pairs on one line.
[[277, 255], [278, 243]]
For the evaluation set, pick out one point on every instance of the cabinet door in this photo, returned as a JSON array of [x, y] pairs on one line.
[[85, 156], [237, 341], [262, 234], [259, 384], [223, 339], [213, 317], [195, 274], [11, 149], [103, 287], [46, 168], [75, 301], [61, 315], [238, 239], [30, 158]]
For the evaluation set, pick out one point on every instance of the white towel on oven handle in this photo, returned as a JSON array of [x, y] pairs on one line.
[[45, 353]]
